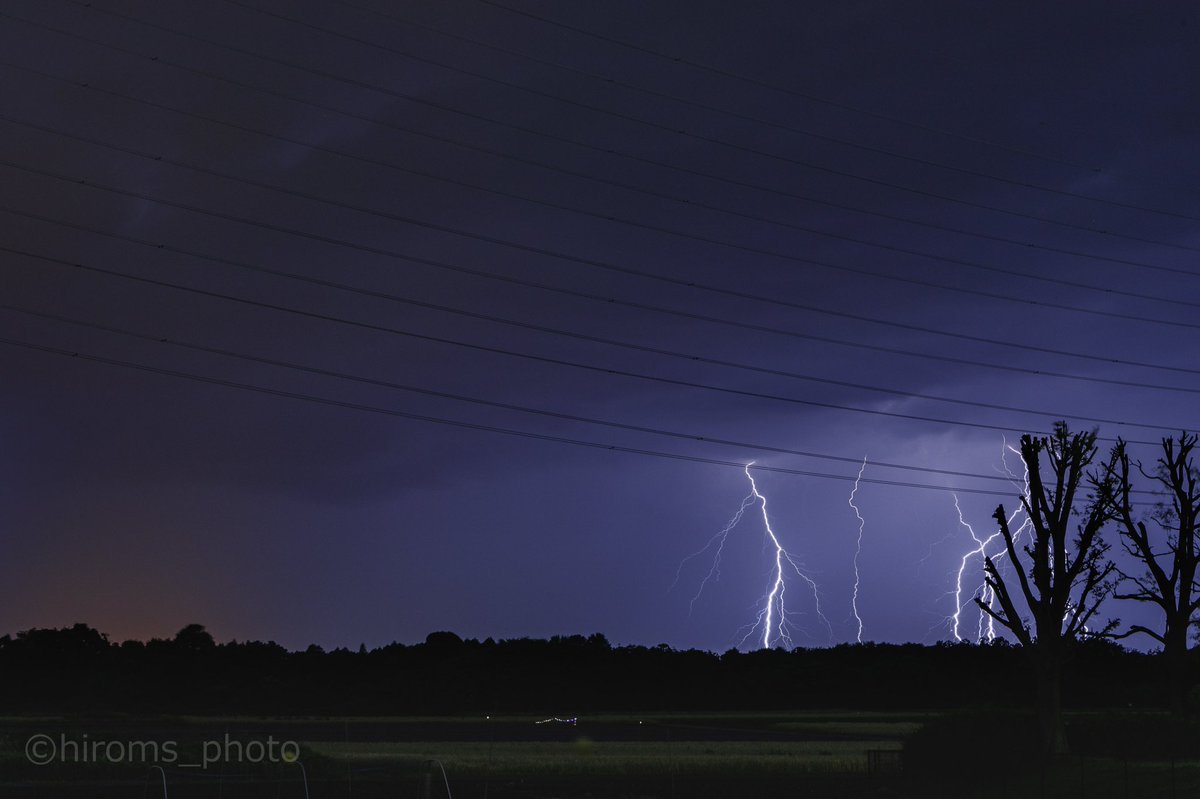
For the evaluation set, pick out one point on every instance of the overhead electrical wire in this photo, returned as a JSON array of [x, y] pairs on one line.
[[608, 79], [162, 246], [74, 264], [343, 154], [634, 428], [587, 262], [677, 60], [641, 225], [391, 165], [381, 383], [643, 348], [185, 374], [609, 300], [142, 154], [78, 354], [346, 405], [690, 202], [225, 175], [524, 247], [713, 139], [159, 60]]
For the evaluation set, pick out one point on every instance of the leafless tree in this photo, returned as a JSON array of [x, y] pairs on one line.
[[1061, 579], [1167, 551]]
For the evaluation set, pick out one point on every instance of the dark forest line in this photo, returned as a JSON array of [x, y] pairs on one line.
[[77, 670]]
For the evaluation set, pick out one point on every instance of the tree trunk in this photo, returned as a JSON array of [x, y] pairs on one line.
[[1049, 707], [1174, 656]]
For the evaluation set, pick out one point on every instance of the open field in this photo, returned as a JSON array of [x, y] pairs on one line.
[[585, 757], [655, 755], [605, 755]]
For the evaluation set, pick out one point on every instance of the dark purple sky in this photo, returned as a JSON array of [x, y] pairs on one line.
[[885, 215]]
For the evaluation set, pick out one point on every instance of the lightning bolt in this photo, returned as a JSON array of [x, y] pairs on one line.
[[773, 615], [857, 547], [980, 550], [714, 573], [986, 626]]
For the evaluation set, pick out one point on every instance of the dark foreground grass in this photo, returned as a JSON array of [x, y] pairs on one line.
[[994, 754], [972, 756]]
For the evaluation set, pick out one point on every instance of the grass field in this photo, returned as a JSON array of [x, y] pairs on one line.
[[636, 756], [585, 757]]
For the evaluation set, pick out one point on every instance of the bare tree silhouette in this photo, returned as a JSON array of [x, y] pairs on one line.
[[1062, 579], [1169, 553]]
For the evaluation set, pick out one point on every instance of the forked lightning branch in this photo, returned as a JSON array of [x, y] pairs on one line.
[[773, 625]]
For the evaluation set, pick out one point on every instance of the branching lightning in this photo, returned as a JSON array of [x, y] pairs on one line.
[[980, 551], [857, 548], [714, 573], [773, 617], [986, 625]]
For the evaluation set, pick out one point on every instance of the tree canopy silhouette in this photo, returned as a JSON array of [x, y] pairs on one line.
[[1061, 579], [1171, 538]]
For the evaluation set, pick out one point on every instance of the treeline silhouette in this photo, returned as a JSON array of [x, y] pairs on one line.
[[77, 670]]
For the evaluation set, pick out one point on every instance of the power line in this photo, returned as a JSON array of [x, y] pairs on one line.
[[640, 273], [385, 90], [775, 87], [529, 248], [633, 223], [610, 301], [76, 354], [376, 162], [654, 93], [80, 355], [525, 355], [561, 170], [316, 198], [712, 139], [157, 339], [641, 306], [608, 151], [684, 356]]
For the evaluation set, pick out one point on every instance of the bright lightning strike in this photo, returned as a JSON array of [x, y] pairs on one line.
[[774, 614], [773, 617], [858, 547], [980, 550], [986, 627]]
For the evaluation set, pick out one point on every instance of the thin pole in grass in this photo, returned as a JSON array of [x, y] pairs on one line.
[[445, 779], [162, 774], [303, 776], [670, 760], [349, 768], [487, 765], [221, 774]]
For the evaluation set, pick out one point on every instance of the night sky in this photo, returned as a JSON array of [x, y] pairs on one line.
[[275, 274]]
